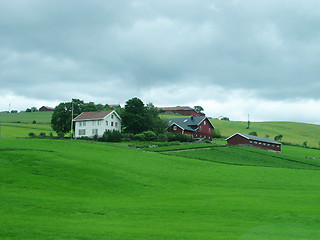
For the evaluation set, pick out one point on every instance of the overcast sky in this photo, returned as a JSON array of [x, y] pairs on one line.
[[232, 57]]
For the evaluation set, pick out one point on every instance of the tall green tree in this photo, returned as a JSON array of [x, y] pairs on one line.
[[198, 108], [61, 117], [134, 116], [154, 122]]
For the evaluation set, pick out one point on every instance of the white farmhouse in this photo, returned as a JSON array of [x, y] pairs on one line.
[[89, 124]]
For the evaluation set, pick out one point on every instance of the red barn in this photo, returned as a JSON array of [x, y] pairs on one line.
[[46, 109], [199, 127], [254, 141], [187, 111]]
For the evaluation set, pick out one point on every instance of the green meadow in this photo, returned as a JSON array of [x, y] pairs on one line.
[[292, 132], [61, 189], [26, 117]]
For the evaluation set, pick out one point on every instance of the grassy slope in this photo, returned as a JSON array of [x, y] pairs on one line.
[[295, 133], [26, 117], [78, 190]]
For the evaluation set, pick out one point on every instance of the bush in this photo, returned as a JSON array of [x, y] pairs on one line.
[[162, 137], [127, 136], [216, 133], [61, 135], [149, 135], [139, 136], [111, 136], [32, 134], [42, 134], [253, 133], [34, 122]]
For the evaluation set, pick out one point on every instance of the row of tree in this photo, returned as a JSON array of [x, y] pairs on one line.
[[136, 116]]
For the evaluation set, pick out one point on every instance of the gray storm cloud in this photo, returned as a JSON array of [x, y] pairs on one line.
[[269, 48]]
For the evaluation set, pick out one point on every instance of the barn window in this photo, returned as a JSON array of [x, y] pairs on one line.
[[209, 129], [175, 128], [82, 132], [204, 122], [200, 127], [260, 143], [250, 141], [264, 143], [255, 142]]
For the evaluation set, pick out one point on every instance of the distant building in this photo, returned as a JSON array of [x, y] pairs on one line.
[[240, 139], [183, 110], [46, 109], [89, 124], [199, 127]]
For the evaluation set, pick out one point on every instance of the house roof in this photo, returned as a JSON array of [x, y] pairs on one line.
[[93, 115], [51, 108], [187, 122], [255, 138]]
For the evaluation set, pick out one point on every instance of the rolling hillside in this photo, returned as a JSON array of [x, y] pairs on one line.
[[295, 133], [59, 189], [26, 117]]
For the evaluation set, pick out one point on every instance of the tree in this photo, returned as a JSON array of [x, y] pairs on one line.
[[134, 116], [34, 109], [253, 134], [278, 137], [198, 108], [154, 122], [61, 117]]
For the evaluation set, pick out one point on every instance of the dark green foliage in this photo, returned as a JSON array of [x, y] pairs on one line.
[[216, 133], [225, 119], [32, 134], [162, 137], [34, 122], [111, 136], [305, 143], [42, 134], [198, 108], [253, 133], [278, 137], [137, 118], [139, 136], [179, 137]]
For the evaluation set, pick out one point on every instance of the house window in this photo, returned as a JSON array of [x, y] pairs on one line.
[[112, 116], [82, 132], [175, 128], [84, 123], [80, 124], [106, 123], [93, 123], [94, 131], [99, 122], [116, 124], [111, 124]]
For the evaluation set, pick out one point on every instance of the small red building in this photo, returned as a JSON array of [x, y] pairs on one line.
[[187, 111], [240, 139], [46, 109], [199, 127]]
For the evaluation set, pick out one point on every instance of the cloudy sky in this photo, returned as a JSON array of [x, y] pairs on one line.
[[232, 57]]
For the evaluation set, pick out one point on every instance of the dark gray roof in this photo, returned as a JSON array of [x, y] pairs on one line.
[[187, 122], [255, 138]]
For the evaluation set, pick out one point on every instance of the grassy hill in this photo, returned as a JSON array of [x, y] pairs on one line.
[[59, 189], [26, 117], [292, 132]]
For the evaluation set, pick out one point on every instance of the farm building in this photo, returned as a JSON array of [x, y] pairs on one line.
[[187, 111], [259, 142], [46, 109], [89, 124], [199, 127]]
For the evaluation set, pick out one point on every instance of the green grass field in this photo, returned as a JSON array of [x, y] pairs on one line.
[[59, 189], [26, 117], [295, 133]]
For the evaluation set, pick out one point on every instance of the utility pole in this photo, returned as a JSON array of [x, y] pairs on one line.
[[71, 135], [248, 121]]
